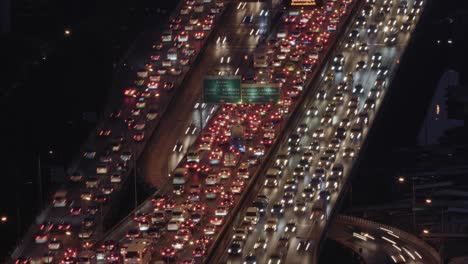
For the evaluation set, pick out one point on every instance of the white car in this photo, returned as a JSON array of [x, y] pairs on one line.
[[212, 179], [173, 225], [54, 245]]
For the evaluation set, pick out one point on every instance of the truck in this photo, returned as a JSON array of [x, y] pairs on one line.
[[237, 132], [238, 137]]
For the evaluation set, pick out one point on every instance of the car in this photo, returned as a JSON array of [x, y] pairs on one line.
[[318, 133], [363, 48], [283, 242], [275, 258], [41, 238], [361, 21], [369, 104], [209, 230], [391, 39], [300, 206], [235, 248], [261, 243], [85, 233], [290, 184], [372, 29], [376, 61], [299, 171], [55, 244], [325, 195], [173, 225], [271, 224], [168, 253], [361, 65], [288, 198], [290, 227], [221, 210], [240, 234], [277, 209], [338, 62], [250, 259], [358, 89]]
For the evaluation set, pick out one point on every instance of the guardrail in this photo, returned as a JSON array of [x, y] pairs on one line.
[[346, 219], [365, 143], [248, 194]]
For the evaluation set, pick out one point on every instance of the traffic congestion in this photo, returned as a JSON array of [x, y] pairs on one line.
[[73, 221], [300, 187], [184, 219], [302, 184]]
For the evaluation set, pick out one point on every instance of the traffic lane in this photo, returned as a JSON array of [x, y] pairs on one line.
[[277, 193], [368, 80], [368, 77], [209, 210], [155, 166]]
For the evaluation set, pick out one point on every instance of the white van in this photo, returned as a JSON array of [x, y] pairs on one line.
[[252, 215], [60, 198], [178, 214], [137, 253]]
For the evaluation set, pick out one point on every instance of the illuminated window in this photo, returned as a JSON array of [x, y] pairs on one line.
[[437, 111]]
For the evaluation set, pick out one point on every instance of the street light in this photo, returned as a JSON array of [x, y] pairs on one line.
[[428, 201], [401, 179], [67, 32], [4, 219], [425, 231]]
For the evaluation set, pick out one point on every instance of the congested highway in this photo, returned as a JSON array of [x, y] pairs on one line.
[[179, 223], [73, 220], [302, 184], [219, 149]]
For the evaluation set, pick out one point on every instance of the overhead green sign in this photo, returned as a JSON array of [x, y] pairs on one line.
[[222, 89], [228, 89], [260, 93]]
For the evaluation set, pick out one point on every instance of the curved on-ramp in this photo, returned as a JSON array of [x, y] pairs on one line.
[[378, 243]]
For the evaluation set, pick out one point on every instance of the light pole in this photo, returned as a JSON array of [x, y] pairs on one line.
[[402, 180]]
